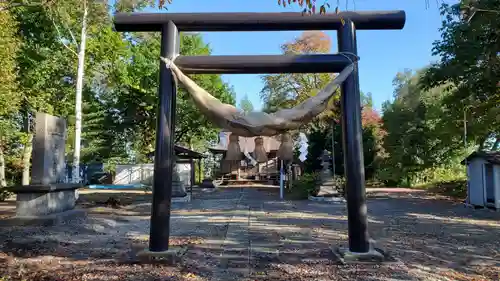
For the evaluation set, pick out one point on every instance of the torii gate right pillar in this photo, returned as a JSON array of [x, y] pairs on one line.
[[352, 142]]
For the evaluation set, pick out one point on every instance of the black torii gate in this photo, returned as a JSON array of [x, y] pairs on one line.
[[346, 23]]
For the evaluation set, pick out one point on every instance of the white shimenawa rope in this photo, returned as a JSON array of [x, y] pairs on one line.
[[260, 123], [345, 54], [169, 62]]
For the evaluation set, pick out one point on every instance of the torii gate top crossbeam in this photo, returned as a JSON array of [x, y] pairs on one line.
[[195, 22]]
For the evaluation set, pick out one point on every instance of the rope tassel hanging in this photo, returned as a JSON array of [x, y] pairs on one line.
[[285, 152], [233, 149], [259, 152]]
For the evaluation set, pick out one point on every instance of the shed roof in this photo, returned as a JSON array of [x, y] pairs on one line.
[[183, 153], [492, 157]]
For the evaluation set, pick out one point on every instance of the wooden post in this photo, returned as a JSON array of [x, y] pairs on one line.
[[164, 152]]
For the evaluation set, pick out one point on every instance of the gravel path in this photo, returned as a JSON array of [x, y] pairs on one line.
[[246, 234]]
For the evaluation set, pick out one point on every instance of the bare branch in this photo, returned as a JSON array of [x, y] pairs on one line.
[[60, 37], [71, 34], [73, 38]]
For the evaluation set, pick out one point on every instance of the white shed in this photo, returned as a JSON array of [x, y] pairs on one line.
[[143, 173], [483, 172]]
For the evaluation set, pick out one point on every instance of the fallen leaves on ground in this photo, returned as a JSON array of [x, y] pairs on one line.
[[427, 236]]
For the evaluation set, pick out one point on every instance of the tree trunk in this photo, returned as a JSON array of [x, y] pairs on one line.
[[28, 148], [3, 181], [78, 103]]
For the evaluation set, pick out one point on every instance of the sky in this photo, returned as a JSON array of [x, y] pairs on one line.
[[383, 53]]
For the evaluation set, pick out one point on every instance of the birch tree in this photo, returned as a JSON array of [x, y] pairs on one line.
[[78, 101], [66, 21], [9, 98]]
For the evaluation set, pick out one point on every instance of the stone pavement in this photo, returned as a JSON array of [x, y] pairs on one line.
[[264, 230], [270, 239]]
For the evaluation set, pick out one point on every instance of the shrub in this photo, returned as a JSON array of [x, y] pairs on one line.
[[397, 176], [390, 177], [445, 173], [457, 188], [339, 182], [307, 184], [4, 194]]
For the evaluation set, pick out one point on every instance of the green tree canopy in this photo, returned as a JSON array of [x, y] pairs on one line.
[[121, 77], [9, 44], [10, 98], [134, 94], [469, 65], [246, 105], [415, 125]]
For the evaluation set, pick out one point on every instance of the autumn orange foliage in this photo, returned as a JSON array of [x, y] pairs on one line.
[[309, 42]]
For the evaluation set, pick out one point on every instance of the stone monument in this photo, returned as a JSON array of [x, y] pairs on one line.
[[208, 163], [47, 197], [178, 189], [179, 193], [328, 189]]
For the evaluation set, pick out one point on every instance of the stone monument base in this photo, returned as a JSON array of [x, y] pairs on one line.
[[170, 256], [42, 200], [348, 257], [374, 255]]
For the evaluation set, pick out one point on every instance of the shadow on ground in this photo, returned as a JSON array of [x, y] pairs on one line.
[[239, 234]]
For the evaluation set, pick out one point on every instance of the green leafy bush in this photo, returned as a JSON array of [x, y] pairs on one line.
[[397, 176], [445, 173], [389, 176], [307, 184], [457, 188], [340, 182], [4, 194]]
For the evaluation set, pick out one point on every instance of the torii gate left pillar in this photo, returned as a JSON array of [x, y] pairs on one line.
[[164, 144]]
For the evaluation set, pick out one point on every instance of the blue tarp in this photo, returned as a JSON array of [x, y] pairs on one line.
[[116, 186]]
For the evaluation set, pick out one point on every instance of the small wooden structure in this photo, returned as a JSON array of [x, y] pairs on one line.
[[483, 172], [185, 155], [245, 170]]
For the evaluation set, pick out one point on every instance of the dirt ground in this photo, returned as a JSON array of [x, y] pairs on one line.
[[249, 234]]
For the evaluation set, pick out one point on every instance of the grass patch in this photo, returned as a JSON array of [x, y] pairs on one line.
[[456, 188]]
